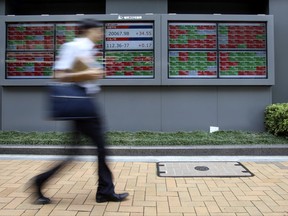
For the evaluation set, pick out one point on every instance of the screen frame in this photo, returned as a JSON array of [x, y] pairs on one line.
[[156, 80], [160, 48], [268, 19]]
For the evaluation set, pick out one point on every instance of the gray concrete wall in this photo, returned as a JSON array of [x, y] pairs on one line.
[[279, 8], [136, 6], [2, 12], [149, 108]]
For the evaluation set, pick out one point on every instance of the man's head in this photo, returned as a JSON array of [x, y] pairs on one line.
[[92, 29]]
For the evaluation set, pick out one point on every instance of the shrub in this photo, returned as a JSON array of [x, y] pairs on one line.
[[276, 119]]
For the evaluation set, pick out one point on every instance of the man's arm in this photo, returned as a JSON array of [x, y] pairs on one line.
[[81, 76]]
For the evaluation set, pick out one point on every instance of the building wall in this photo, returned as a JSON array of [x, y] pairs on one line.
[[160, 108], [279, 9], [136, 6], [2, 12], [148, 108]]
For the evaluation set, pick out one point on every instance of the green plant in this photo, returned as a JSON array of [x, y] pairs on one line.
[[146, 138], [276, 119]]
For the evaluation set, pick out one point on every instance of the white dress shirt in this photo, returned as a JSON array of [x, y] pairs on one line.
[[78, 48]]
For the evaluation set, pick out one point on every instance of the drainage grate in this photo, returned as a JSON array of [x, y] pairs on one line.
[[202, 169]]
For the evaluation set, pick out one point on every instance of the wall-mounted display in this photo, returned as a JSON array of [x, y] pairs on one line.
[[242, 35], [29, 64], [129, 50], [30, 50], [192, 36], [192, 64], [136, 64], [234, 50], [183, 37], [245, 63], [65, 32], [30, 36], [248, 64], [159, 49], [129, 36]]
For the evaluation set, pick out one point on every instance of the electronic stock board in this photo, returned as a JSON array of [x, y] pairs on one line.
[[217, 50], [129, 50], [164, 49], [126, 51]]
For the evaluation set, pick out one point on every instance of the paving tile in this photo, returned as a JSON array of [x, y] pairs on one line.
[[14, 203], [63, 213], [73, 191], [29, 212], [150, 211], [11, 212]]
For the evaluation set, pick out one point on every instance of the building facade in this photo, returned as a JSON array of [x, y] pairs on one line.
[[181, 65]]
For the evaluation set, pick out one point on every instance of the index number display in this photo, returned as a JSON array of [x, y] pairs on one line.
[[131, 36], [117, 33]]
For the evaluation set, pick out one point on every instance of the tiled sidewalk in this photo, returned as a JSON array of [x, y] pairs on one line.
[[73, 191]]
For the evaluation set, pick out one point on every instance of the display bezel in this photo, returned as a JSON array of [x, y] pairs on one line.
[[151, 80], [244, 80]]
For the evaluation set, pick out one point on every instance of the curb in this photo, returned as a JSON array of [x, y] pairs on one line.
[[199, 150]]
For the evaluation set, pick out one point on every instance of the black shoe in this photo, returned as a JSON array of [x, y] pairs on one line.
[[111, 198], [38, 196], [42, 200]]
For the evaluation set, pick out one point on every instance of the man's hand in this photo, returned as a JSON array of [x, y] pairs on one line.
[[94, 73]]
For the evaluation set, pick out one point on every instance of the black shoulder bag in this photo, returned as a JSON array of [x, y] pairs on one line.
[[69, 101]]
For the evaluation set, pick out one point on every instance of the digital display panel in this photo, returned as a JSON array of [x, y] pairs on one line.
[[232, 50], [247, 64], [133, 64], [129, 50], [185, 42], [192, 36], [192, 64], [66, 32], [29, 64], [30, 50], [129, 36], [242, 35], [22, 37]]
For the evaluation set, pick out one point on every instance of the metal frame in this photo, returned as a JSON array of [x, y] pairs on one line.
[[64, 18], [160, 48], [270, 80]]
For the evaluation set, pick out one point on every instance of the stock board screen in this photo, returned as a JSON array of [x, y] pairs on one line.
[[193, 64], [30, 36], [129, 50], [128, 36], [30, 49], [65, 32], [129, 64], [243, 64], [195, 50], [192, 36], [29, 64], [186, 44], [232, 50], [246, 55], [242, 36]]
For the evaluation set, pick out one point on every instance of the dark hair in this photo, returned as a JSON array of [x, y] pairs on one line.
[[89, 23]]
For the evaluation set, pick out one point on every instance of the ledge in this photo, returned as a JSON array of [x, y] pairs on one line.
[[199, 150]]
